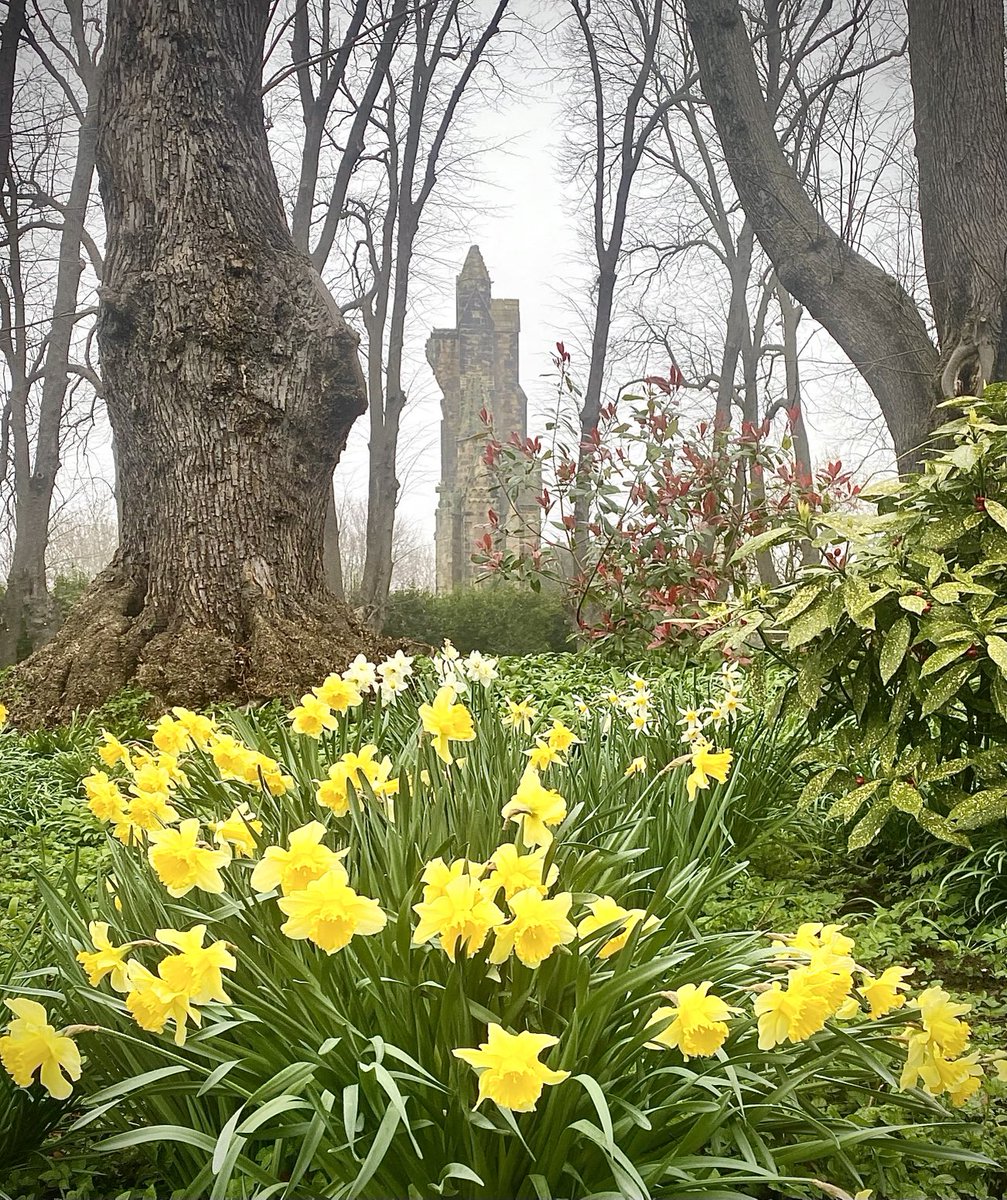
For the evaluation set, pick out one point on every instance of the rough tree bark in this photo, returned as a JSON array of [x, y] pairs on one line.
[[956, 58], [866, 310], [230, 377]]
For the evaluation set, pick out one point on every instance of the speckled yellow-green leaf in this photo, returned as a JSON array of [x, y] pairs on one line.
[[946, 686], [941, 827], [905, 797], [867, 827], [996, 647], [803, 598], [946, 593], [822, 615], [980, 808], [913, 604], [849, 805], [997, 511], [942, 658], [761, 541], [894, 649], [815, 787], [858, 599]]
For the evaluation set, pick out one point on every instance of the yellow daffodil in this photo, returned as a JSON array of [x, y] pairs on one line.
[[105, 960], [312, 717], [271, 773], [146, 813], [884, 994], [181, 863], [196, 969], [636, 767], [707, 764], [446, 722], [234, 760], [519, 715], [353, 768], [538, 926], [437, 874], [103, 797], [3, 715], [940, 1015], [112, 751], [509, 1071], [293, 869], [698, 1021], [238, 831], [31, 1044], [171, 736], [515, 872], [534, 808], [560, 738], [542, 755], [813, 936], [460, 916], [328, 912], [201, 729], [926, 1063], [338, 693], [153, 1002], [153, 777], [604, 912], [785, 1015]]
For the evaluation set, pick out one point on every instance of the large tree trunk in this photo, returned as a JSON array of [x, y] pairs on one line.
[[956, 56], [866, 310], [230, 377]]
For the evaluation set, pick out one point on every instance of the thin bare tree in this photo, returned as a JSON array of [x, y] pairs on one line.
[[37, 341]]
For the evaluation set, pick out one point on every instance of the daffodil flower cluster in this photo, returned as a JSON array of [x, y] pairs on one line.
[[457, 672], [141, 796], [520, 913], [316, 896], [182, 981], [724, 706]]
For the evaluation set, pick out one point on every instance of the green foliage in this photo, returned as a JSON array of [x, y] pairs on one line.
[[897, 915], [333, 1075], [494, 618], [66, 591], [899, 640]]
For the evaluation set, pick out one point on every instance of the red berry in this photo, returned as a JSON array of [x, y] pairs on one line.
[[971, 652], [981, 503], [860, 779]]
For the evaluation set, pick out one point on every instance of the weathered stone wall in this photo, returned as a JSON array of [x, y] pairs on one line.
[[476, 366]]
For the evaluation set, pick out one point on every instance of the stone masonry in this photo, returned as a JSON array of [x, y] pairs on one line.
[[476, 366]]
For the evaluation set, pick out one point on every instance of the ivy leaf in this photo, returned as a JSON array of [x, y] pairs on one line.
[[894, 649]]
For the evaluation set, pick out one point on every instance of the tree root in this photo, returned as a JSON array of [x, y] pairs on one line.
[[112, 640]]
